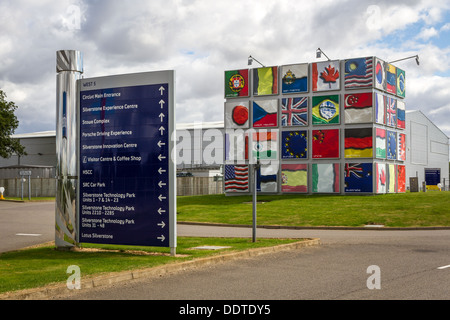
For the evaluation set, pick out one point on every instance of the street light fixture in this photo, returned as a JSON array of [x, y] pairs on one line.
[[416, 57], [319, 54], [250, 61]]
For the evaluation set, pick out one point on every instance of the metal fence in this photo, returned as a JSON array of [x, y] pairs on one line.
[[192, 186], [46, 187], [26, 188]]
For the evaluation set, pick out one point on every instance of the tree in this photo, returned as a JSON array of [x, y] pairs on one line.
[[8, 124]]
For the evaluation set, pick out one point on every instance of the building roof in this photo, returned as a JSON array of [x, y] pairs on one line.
[[418, 111], [179, 126], [41, 134]]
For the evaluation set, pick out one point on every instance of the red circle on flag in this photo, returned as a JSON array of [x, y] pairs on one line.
[[240, 115]]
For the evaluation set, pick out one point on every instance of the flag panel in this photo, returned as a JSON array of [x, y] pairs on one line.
[[236, 83], [380, 143], [391, 111], [380, 74], [237, 114], [358, 177], [265, 145], [358, 73], [380, 177], [325, 144], [265, 113], [325, 76], [392, 178], [358, 143], [380, 108], [236, 146], [265, 81], [401, 114], [236, 178], [294, 178], [294, 78], [294, 145], [400, 83], [325, 109], [401, 178], [358, 107], [391, 145], [325, 178], [294, 111], [401, 155], [391, 78], [267, 178]]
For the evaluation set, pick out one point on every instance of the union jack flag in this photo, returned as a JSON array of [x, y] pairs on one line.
[[391, 112], [294, 111], [355, 169]]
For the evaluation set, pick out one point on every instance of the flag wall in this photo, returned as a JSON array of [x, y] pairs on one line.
[[312, 119]]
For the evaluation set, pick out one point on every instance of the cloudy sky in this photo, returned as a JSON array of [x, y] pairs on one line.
[[200, 39]]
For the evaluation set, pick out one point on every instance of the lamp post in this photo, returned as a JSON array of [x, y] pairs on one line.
[[255, 177], [255, 192], [250, 61], [416, 57], [319, 54]]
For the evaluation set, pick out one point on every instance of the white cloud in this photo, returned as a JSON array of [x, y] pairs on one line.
[[427, 33], [200, 41]]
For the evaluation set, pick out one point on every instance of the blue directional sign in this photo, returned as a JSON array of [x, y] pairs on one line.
[[126, 174]]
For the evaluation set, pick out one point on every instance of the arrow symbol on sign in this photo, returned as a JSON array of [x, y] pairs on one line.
[[161, 184], [162, 129], [161, 170], [161, 238], [161, 197], [161, 211], [162, 224], [161, 116], [161, 103], [160, 144], [160, 157], [161, 89]]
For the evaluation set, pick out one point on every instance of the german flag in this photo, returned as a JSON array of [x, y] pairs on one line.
[[358, 143]]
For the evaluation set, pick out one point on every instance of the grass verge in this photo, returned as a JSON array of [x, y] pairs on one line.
[[423, 209], [43, 265]]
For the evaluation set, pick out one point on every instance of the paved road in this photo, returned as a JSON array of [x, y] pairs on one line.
[[411, 264], [408, 263], [25, 224]]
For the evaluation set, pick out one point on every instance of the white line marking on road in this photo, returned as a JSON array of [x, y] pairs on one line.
[[444, 267], [29, 234]]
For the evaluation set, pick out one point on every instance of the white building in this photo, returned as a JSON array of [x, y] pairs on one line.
[[427, 147]]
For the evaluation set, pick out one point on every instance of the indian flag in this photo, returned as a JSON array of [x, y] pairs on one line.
[[265, 145]]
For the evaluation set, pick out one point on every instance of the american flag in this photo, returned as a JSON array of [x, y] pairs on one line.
[[236, 178], [391, 112], [355, 169], [294, 111]]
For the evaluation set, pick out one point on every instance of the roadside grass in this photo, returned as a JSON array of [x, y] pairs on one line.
[[33, 199], [423, 209], [43, 265]]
